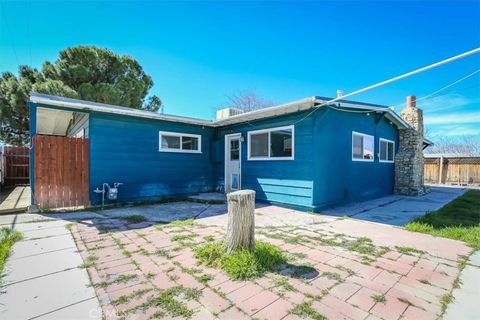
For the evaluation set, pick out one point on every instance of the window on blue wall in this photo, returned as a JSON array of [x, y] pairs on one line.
[[362, 147], [386, 150], [179, 142], [271, 144]]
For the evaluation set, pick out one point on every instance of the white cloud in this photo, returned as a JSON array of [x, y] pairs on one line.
[[443, 102], [452, 118], [453, 130]]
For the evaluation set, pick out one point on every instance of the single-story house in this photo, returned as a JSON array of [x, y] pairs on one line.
[[296, 154]]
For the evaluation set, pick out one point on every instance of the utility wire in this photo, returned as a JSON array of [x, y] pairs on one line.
[[445, 87], [382, 83]]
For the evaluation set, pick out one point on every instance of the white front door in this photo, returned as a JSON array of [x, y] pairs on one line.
[[233, 156]]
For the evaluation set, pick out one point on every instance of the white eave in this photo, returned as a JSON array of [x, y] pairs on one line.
[[291, 107], [107, 108]]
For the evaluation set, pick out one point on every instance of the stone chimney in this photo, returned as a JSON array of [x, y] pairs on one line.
[[409, 159]]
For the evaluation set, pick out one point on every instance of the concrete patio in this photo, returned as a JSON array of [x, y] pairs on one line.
[[131, 263]]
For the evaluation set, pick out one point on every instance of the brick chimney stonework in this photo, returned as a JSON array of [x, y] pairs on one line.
[[409, 158]]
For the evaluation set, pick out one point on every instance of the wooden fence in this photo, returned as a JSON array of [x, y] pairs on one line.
[[458, 171], [14, 165], [61, 171]]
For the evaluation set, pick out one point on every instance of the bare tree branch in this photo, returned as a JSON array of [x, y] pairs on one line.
[[466, 145], [247, 100]]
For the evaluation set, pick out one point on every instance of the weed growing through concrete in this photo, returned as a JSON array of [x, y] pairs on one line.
[[124, 278], [379, 298], [167, 300], [409, 250], [284, 284], [89, 262], [204, 278], [187, 222], [445, 300], [163, 253], [305, 310], [242, 264], [133, 218], [126, 298]]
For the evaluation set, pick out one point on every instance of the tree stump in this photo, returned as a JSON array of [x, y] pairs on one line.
[[241, 220]]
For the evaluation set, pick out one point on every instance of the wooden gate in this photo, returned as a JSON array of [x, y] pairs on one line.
[[61, 171], [14, 165]]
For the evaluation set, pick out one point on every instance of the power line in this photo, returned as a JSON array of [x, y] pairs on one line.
[[405, 75], [445, 87]]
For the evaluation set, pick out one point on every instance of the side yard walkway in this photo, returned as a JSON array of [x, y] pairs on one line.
[[42, 279], [17, 200], [398, 210]]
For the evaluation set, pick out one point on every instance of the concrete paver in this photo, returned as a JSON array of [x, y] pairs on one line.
[[153, 258]]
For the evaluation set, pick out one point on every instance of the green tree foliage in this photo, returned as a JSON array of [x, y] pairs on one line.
[[83, 72]]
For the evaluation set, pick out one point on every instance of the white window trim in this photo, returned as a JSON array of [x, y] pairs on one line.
[[380, 152], [179, 134], [363, 135], [250, 133]]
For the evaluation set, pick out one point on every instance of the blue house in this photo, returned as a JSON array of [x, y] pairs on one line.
[[296, 154]]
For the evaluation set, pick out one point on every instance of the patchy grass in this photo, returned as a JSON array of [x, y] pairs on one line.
[[163, 253], [187, 222], [459, 220], [204, 278], [126, 298], [242, 264], [379, 298], [181, 237], [167, 300], [121, 279], [8, 237], [89, 262], [305, 310], [133, 219], [445, 301], [283, 283], [409, 250]]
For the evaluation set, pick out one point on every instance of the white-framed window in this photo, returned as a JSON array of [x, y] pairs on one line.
[[363, 146], [386, 150], [180, 142], [271, 144]]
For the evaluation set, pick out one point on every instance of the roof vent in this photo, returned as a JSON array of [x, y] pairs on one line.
[[227, 113], [339, 93]]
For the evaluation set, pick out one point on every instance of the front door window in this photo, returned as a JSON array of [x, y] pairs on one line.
[[232, 163]]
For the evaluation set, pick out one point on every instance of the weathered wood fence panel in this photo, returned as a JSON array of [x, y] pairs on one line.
[[14, 165], [61, 171], [458, 171]]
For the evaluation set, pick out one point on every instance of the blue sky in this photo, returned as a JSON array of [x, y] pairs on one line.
[[199, 52]]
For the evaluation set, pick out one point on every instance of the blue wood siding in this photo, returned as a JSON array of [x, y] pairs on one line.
[[339, 179], [282, 181], [126, 149]]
